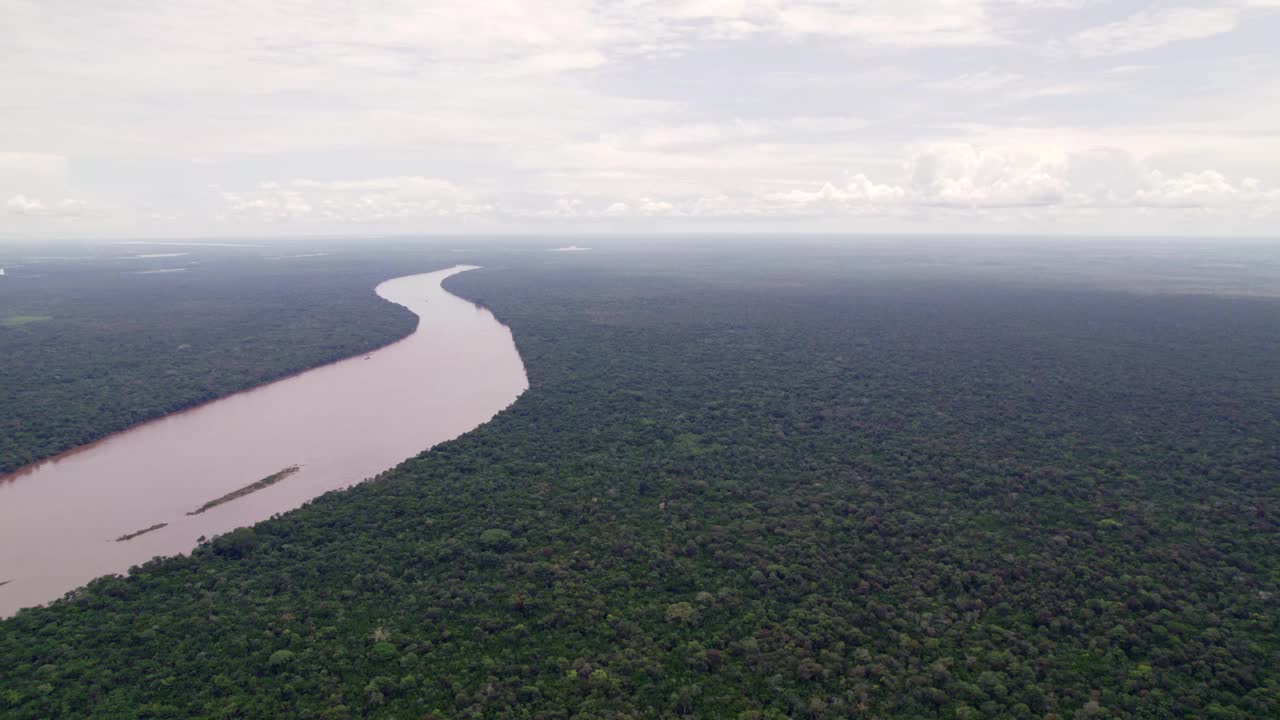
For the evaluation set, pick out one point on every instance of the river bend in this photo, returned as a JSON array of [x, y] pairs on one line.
[[340, 423]]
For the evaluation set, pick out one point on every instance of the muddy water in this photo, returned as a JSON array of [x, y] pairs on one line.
[[341, 423]]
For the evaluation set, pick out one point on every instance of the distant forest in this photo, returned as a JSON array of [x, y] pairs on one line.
[[749, 489], [93, 348]]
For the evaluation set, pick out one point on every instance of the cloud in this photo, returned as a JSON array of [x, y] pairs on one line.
[[23, 205], [960, 176], [859, 191], [27, 174], [981, 81], [685, 137], [25, 164], [454, 113], [644, 207], [667, 27], [903, 23], [953, 177], [351, 201], [1206, 189], [269, 203], [1148, 30]]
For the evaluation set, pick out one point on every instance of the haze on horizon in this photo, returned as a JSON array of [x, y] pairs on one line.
[[238, 119]]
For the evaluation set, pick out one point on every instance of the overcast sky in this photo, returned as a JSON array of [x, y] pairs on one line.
[[140, 118]]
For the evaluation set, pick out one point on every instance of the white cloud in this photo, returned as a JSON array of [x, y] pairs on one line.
[[962, 176], [443, 115], [675, 26], [351, 201], [26, 164], [956, 178], [23, 205], [983, 80], [859, 191], [28, 175], [270, 203], [1207, 189], [1147, 30], [906, 23]]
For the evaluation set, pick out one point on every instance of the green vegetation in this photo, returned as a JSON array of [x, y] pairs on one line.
[[265, 482], [144, 531], [791, 496], [90, 349], [13, 321]]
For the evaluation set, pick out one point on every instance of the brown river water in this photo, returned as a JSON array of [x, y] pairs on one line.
[[342, 423]]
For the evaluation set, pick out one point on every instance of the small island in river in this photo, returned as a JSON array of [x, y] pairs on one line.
[[143, 531], [265, 482]]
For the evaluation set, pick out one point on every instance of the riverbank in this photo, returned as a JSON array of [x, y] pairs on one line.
[[113, 351], [340, 424]]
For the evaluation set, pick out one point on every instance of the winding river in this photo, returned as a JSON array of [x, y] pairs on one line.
[[340, 424]]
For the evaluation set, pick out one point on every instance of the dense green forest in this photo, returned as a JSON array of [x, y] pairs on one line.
[[756, 488], [91, 348]]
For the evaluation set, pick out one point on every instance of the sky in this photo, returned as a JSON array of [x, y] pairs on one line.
[[178, 118]]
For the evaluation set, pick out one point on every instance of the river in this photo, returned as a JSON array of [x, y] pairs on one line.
[[341, 423]]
